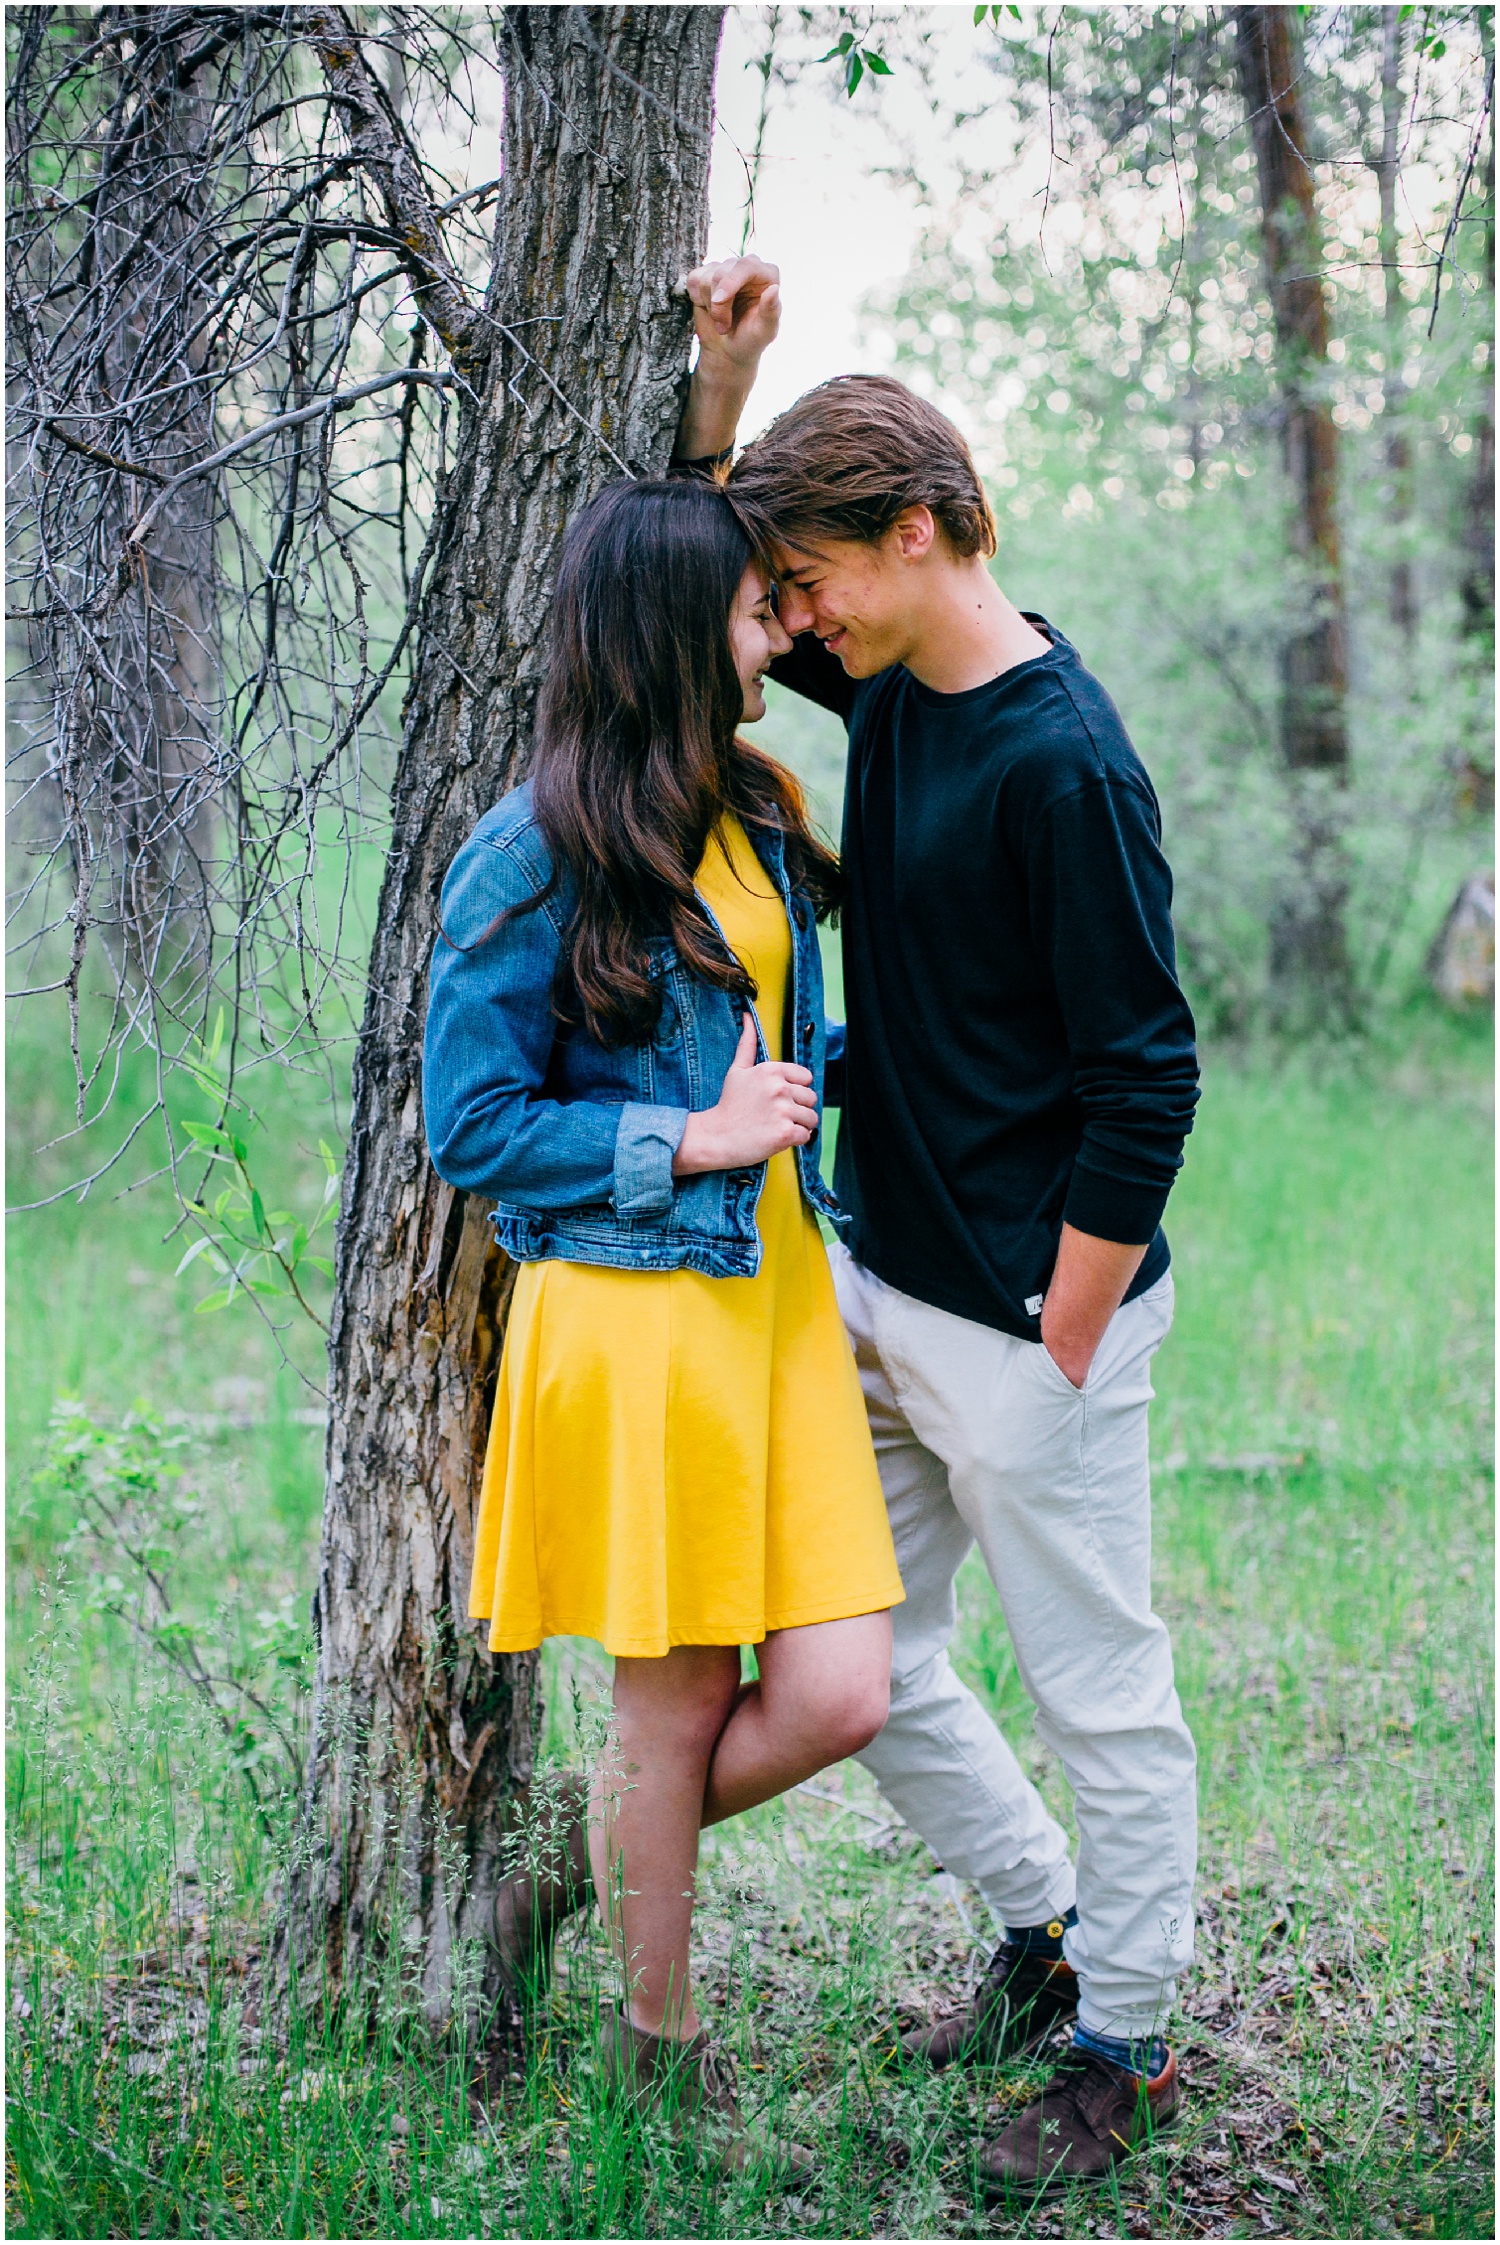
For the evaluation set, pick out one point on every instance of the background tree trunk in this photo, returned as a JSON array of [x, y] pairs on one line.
[[1311, 980], [1403, 590], [422, 1737], [152, 703], [1479, 515]]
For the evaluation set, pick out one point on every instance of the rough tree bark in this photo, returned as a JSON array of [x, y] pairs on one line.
[[578, 362], [1311, 980]]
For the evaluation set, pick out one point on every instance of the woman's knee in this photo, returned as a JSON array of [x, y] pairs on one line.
[[679, 1704], [860, 1710], [830, 1685], [864, 1700]]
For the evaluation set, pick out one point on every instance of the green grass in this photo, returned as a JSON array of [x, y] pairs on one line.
[[1322, 1556]]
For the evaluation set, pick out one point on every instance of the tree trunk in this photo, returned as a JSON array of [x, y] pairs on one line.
[[422, 1737], [154, 699], [1311, 982], [1403, 591], [1479, 512]]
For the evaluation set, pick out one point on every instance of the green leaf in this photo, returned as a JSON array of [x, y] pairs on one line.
[[855, 71], [241, 1150], [330, 1159], [204, 1078], [878, 64], [172, 1632], [264, 1286], [257, 1212], [1437, 49], [199, 1247], [219, 1301], [980, 14], [320, 1263], [206, 1135]]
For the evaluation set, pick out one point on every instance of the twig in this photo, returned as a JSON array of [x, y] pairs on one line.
[[104, 459], [765, 66], [1463, 189], [1041, 231], [1176, 165], [115, 2158], [850, 1808], [337, 402]]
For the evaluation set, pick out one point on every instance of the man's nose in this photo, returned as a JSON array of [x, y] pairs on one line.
[[793, 610]]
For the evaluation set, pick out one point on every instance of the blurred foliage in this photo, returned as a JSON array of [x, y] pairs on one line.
[[1109, 346], [135, 1526]]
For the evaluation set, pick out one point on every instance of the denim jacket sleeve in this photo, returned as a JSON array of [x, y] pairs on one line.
[[489, 1046]]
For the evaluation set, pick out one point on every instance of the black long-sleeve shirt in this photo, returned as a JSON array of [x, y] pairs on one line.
[[1019, 1052]]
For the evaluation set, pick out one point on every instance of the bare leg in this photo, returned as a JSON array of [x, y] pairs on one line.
[[646, 1810], [824, 1692]]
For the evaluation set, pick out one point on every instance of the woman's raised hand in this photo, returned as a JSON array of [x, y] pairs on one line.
[[765, 1106]]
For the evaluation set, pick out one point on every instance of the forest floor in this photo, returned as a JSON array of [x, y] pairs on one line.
[[1323, 1472]]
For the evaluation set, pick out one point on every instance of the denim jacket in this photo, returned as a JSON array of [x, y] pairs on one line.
[[574, 1140]]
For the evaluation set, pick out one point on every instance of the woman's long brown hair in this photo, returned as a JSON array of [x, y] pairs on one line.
[[637, 757]]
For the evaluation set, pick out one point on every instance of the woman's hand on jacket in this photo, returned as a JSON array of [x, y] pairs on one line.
[[765, 1107]]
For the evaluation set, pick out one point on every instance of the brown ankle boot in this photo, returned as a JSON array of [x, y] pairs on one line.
[[550, 1881], [692, 2084], [1021, 2000], [1089, 2117]]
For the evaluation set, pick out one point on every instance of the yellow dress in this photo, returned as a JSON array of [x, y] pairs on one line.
[[676, 1459]]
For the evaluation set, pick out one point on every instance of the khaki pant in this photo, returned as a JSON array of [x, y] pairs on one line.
[[981, 1438]]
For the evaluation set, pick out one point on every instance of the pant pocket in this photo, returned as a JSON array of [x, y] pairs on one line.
[[1053, 1372]]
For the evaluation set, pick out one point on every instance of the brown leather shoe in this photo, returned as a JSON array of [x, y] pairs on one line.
[[1018, 2003], [692, 2084], [1089, 2116], [550, 1881]]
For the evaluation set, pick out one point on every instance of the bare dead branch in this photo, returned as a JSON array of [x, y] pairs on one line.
[[379, 145], [338, 401], [220, 247]]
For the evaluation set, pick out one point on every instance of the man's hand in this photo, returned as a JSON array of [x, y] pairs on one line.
[[765, 1106], [1088, 1286], [736, 312]]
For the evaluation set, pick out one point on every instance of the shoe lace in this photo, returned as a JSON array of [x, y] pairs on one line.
[[1065, 2085], [1074, 2073]]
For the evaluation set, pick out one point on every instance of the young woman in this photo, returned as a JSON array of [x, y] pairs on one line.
[[625, 1050]]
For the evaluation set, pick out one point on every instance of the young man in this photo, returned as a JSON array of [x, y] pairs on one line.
[[1020, 1077]]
